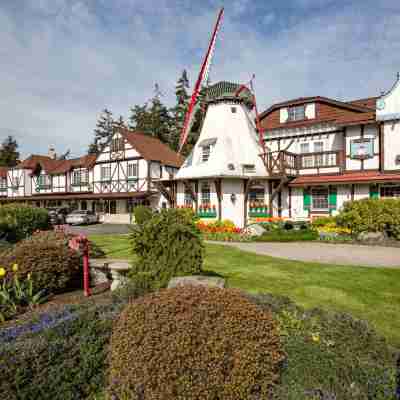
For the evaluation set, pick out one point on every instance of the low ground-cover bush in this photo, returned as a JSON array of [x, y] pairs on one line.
[[191, 343], [47, 257], [371, 215], [19, 221], [292, 235], [61, 356], [169, 244], [330, 355]]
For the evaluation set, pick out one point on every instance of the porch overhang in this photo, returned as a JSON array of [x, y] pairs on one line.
[[366, 177]]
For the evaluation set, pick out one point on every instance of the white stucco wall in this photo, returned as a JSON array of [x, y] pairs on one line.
[[391, 132], [233, 211]]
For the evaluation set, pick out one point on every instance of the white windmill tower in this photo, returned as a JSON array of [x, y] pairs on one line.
[[215, 178]]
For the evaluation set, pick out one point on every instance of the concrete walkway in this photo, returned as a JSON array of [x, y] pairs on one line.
[[340, 254]]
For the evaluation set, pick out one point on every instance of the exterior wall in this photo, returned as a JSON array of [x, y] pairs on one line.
[[58, 184], [391, 144], [22, 178]]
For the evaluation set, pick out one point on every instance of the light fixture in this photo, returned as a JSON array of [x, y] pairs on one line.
[[233, 197]]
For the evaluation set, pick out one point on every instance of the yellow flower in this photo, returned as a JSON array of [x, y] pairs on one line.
[[2, 272], [315, 337], [15, 267]]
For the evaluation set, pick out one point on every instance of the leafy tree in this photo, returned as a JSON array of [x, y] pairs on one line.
[[103, 131], [8, 152]]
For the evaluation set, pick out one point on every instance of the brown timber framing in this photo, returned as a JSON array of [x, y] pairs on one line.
[[193, 193], [218, 190]]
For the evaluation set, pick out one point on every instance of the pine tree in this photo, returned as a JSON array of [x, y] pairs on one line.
[[180, 109], [8, 152], [103, 131]]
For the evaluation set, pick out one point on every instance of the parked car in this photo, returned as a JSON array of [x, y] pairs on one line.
[[57, 215], [81, 218]]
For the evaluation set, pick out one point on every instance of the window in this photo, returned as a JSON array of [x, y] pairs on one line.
[[320, 198], [306, 161], [105, 173], [296, 113], [249, 168], [3, 184], [14, 182], [390, 191], [80, 177], [205, 194], [205, 155], [44, 181], [188, 198], [117, 144], [233, 110], [304, 148], [257, 195], [132, 170], [318, 148]]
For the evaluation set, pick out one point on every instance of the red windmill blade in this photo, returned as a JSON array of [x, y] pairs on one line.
[[205, 67]]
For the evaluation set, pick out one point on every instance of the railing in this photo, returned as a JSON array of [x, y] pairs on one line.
[[286, 163], [319, 160]]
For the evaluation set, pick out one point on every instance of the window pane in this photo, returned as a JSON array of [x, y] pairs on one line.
[[390, 191], [206, 153], [257, 195], [318, 147], [205, 193], [304, 147], [320, 199]]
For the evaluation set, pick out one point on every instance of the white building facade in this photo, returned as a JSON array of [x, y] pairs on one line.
[[314, 154]]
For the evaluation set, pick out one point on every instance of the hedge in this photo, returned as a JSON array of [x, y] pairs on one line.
[[19, 221]]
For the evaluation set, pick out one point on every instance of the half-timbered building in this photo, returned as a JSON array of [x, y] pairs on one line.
[[307, 157], [129, 170]]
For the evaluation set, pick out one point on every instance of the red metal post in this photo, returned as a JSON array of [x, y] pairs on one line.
[[86, 276]]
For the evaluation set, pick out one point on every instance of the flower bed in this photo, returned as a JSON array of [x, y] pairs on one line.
[[258, 210], [222, 231]]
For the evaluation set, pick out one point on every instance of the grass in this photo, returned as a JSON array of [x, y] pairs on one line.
[[372, 294]]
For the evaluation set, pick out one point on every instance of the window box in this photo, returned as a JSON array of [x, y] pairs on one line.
[[207, 211], [258, 210]]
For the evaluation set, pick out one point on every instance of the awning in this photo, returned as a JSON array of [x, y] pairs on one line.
[[346, 178]]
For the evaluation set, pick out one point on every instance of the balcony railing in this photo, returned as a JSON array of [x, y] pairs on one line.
[[319, 160], [281, 162]]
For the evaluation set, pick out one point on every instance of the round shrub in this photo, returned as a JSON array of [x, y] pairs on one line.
[[47, 257], [194, 343], [167, 245], [19, 221]]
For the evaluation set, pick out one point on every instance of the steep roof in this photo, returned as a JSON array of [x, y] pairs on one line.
[[3, 172], [82, 162], [45, 162], [152, 149], [369, 102], [228, 90], [320, 99]]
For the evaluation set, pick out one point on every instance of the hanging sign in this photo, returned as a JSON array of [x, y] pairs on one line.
[[361, 149]]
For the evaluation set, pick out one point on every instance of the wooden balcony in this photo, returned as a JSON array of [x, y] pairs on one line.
[[284, 163]]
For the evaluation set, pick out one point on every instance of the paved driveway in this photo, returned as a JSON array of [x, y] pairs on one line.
[[341, 254], [99, 229]]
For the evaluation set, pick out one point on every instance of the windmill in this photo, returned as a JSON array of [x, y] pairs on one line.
[[203, 76]]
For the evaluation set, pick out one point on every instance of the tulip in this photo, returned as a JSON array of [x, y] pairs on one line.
[[2, 272]]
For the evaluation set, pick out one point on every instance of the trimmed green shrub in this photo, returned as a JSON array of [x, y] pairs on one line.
[[371, 215], [66, 361], [322, 221], [167, 245], [330, 355], [142, 214], [19, 221], [53, 266], [293, 235], [194, 343]]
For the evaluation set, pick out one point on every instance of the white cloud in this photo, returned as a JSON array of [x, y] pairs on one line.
[[63, 61]]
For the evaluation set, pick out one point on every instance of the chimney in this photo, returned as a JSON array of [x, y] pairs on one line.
[[52, 153]]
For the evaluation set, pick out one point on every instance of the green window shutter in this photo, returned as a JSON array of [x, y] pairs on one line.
[[332, 198], [374, 192], [306, 198]]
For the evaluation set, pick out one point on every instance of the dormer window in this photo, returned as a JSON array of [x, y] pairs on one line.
[[297, 113], [206, 148], [117, 144]]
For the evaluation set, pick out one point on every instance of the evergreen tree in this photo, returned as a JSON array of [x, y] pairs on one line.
[[180, 109], [8, 152], [103, 131]]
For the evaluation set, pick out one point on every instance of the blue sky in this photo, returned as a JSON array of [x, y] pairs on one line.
[[63, 61]]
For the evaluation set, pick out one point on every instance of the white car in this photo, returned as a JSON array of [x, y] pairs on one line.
[[81, 218]]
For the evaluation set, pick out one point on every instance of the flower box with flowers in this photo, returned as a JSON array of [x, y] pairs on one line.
[[258, 210], [207, 211]]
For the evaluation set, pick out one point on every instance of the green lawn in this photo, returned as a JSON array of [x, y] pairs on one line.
[[369, 293]]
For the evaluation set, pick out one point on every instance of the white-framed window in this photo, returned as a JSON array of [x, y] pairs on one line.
[[205, 152], [205, 193], [296, 113], [257, 195], [80, 177], [44, 180], [132, 170], [318, 147], [117, 144], [320, 198], [390, 191], [188, 198], [3, 184], [304, 148], [306, 161], [105, 172]]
